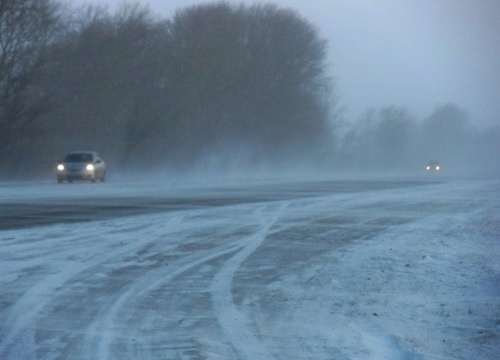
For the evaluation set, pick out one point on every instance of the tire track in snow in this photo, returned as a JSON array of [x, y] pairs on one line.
[[101, 333], [23, 314], [234, 323]]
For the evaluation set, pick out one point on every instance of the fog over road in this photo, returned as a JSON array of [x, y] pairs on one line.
[[268, 270], [86, 202]]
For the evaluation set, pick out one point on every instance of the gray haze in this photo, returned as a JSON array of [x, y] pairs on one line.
[[420, 54]]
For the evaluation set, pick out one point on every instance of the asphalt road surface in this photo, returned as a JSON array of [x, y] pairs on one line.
[[52, 208], [297, 270]]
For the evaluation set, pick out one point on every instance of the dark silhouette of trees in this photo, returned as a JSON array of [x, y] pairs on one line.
[[484, 148], [355, 149], [27, 28], [136, 87], [111, 83], [253, 74], [396, 135], [216, 84], [392, 140], [381, 140], [445, 134]]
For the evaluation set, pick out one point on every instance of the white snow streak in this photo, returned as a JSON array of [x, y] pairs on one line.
[[235, 324]]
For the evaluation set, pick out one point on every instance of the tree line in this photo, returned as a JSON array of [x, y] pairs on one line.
[[144, 91], [391, 139], [216, 85]]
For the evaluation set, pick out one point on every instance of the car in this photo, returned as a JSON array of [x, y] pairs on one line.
[[81, 165], [432, 166]]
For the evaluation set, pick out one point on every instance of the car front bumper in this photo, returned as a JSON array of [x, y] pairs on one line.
[[79, 174]]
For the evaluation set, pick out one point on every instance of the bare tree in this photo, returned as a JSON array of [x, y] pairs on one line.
[[381, 140], [357, 148], [26, 29], [396, 135], [445, 134], [129, 84], [111, 83], [255, 74]]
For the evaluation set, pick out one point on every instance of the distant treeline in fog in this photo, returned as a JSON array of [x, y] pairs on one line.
[[217, 84], [392, 139]]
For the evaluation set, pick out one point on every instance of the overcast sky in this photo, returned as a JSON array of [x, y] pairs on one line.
[[414, 53]]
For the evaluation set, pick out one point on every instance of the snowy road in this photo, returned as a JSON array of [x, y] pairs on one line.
[[313, 270]]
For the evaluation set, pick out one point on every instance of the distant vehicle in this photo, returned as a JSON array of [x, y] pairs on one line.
[[81, 165], [433, 166]]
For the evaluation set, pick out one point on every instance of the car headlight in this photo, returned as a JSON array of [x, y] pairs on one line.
[[60, 167], [438, 168], [90, 167], [428, 168]]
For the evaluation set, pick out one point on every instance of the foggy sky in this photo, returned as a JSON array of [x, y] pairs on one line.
[[414, 53]]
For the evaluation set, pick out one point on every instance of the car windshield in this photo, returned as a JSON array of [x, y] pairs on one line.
[[78, 157]]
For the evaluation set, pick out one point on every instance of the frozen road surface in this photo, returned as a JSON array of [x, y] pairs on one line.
[[304, 270]]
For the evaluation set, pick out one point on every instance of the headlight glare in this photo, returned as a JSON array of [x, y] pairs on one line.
[[90, 167], [60, 167]]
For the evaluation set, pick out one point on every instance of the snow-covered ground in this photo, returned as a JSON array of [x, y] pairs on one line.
[[313, 271]]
